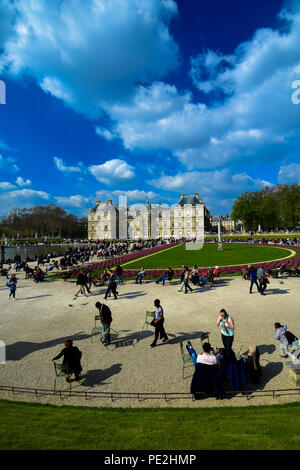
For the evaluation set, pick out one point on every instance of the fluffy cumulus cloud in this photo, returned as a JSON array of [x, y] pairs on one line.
[[289, 173], [22, 198], [217, 188], [256, 121], [64, 46], [115, 170], [5, 185], [21, 182]]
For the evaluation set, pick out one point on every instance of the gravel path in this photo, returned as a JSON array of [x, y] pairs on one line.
[[35, 327]]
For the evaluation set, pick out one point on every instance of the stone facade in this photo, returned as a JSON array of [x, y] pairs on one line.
[[188, 219], [227, 224]]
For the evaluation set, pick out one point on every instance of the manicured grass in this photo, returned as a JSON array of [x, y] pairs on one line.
[[208, 256], [34, 426]]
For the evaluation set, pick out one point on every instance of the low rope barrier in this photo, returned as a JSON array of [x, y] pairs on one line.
[[140, 396]]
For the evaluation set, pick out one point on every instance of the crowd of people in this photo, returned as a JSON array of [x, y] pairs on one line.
[[223, 359]]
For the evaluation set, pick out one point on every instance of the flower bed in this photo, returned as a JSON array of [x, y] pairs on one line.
[[110, 263], [157, 273]]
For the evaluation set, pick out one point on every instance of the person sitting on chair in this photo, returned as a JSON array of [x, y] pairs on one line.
[[106, 319], [285, 337], [140, 276], [206, 379], [71, 357], [205, 358]]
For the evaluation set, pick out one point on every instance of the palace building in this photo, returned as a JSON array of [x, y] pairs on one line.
[[189, 219]]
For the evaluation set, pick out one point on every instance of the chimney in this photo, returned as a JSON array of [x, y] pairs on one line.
[[181, 196], [162, 204], [197, 195], [109, 201], [97, 202]]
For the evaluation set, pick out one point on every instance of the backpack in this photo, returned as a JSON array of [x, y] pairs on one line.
[[290, 337]]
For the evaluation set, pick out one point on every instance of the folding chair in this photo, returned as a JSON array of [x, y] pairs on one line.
[[203, 337], [148, 320], [239, 355], [61, 371], [98, 329], [187, 360]]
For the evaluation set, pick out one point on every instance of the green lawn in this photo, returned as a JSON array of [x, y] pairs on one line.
[[34, 426], [208, 256]]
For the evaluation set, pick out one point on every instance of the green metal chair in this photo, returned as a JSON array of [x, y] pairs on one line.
[[148, 319], [98, 329], [239, 355], [61, 371], [203, 337], [187, 360]]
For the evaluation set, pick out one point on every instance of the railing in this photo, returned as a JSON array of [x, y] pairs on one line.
[[141, 396]]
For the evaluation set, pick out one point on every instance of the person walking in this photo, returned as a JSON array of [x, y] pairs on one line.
[[81, 282], [186, 282], [253, 279], [169, 274], [106, 319], [226, 323], [112, 285], [119, 273], [12, 286], [158, 324], [71, 357], [260, 275], [263, 283], [184, 269]]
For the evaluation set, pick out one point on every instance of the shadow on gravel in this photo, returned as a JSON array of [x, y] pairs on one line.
[[99, 376], [21, 349]]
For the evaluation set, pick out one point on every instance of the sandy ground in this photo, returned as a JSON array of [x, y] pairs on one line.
[[35, 327]]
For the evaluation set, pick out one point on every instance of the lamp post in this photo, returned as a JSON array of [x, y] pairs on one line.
[[220, 246]]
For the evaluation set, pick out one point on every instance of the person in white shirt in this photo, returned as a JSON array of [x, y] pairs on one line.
[[158, 324], [205, 358]]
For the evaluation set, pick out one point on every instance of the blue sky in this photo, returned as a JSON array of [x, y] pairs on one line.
[[147, 98]]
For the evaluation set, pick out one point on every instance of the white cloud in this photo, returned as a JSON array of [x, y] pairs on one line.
[[289, 173], [22, 182], [8, 164], [73, 201], [212, 186], [21, 198], [112, 170], [254, 124], [61, 166], [5, 185], [105, 133], [64, 46], [134, 195]]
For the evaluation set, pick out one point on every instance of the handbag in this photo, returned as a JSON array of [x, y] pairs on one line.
[[152, 322]]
